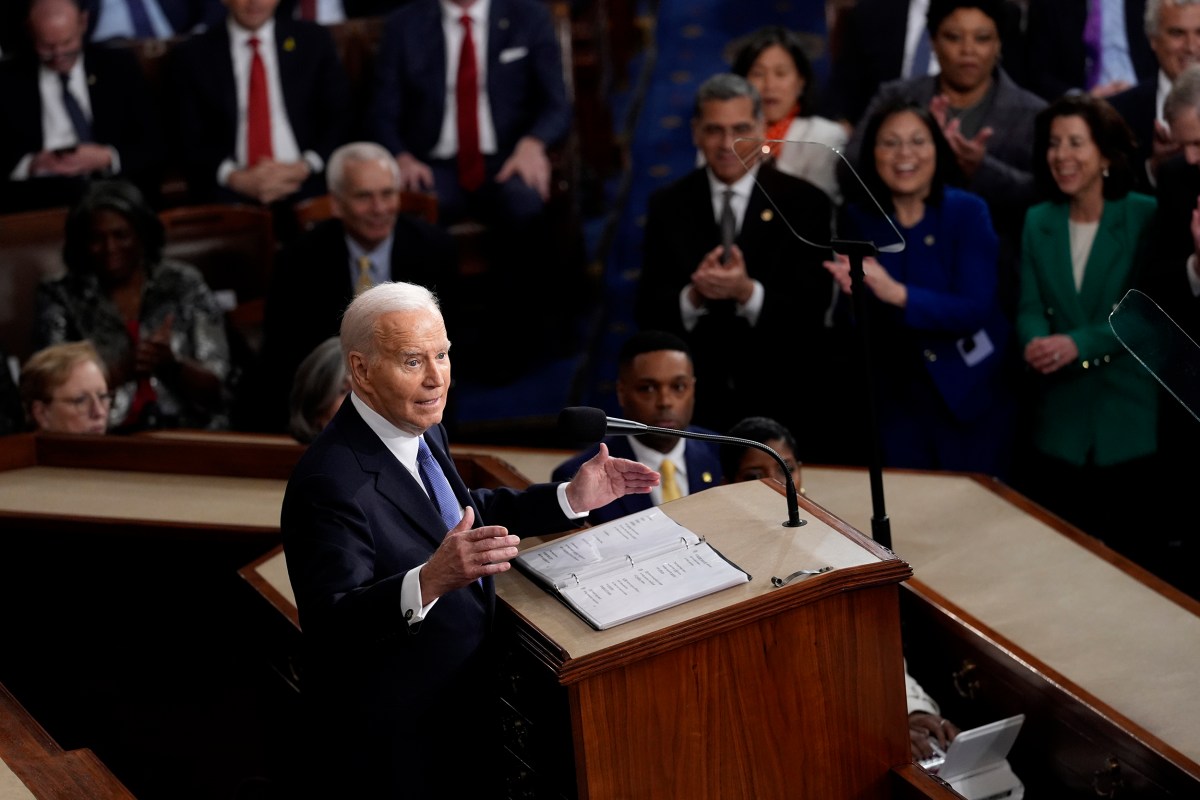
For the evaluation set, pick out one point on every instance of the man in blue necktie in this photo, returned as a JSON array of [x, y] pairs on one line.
[[73, 111], [395, 603]]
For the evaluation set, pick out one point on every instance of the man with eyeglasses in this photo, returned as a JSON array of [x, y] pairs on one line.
[[656, 386], [64, 388], [746, 308]]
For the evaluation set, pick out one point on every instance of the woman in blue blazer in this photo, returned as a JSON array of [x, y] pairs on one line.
[[941, 340], [1092, 410]]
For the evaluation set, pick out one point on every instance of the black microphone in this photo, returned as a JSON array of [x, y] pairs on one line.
[[587, 424]]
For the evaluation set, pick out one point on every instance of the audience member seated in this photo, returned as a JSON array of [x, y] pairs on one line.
[[773, 60], [469, 102], [73, 112], [740, 463], [64, 389], [736, 308], [317, 393], [1081, 45], [1173, 29], [153, 321], [261, 102], [1093, 406], [149, 19], [656, 386], [940, 341], [984, 115], [925, 723], [368, 242]]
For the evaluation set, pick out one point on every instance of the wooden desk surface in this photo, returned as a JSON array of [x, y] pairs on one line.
[[1086, 618]]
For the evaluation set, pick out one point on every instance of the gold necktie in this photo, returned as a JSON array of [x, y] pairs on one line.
[[364, 276], [670, 487]]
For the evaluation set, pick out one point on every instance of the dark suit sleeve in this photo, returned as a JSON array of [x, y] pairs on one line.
[[387, 107], [124, 115], [319, 95], [552, 111]]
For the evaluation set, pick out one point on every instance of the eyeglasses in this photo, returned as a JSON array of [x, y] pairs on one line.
[[915, 143], [84, 401]]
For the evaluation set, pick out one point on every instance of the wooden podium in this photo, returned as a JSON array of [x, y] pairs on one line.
[[754, 691]]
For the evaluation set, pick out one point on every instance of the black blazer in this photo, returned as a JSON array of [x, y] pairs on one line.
[[311, 286], [122, 113], [388, 701], [524, 77], [315, 95], [732, 358]]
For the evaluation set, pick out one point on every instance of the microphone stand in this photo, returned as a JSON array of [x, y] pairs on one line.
[[616, 425], [856, 251]]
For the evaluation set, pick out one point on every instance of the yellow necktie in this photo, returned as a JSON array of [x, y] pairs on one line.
[[364, 276], [670, 487]]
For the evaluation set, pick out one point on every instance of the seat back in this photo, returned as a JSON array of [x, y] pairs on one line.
[[232, 245], [30, 250]]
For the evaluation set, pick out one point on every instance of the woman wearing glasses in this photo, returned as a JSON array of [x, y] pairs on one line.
[[154, 321], [64, 389], [940, 339]]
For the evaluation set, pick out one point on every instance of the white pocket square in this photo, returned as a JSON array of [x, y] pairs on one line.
[[512, 54]]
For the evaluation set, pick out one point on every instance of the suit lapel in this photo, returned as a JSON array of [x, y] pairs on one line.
[[1109, 251], [221, 64], [392, 480], [1060, 279], [287, 54]]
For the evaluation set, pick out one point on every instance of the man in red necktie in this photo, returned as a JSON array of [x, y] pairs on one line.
[[262, 103], [469, 100]]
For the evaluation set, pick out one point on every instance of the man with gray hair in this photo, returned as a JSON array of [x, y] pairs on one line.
[[725, 263], [367, 242], [392, 560], [1173, 28]]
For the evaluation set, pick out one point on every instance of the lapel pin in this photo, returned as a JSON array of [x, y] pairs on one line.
[[503, 23], [289, 44], [91, 80], [767, 215], [929, 240], [706, 477]]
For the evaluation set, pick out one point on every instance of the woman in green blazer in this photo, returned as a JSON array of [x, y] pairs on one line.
[[1093, 406]]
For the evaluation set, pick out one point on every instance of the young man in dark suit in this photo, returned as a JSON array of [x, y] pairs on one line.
[[369, 241], [392, 560], [51, 143], [744, 310], [261, 103], [656, 386]]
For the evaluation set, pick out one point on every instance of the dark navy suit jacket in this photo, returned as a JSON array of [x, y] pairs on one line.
[[703, 469], [122, 112], [524, 77], [390, 700], [315, 95]]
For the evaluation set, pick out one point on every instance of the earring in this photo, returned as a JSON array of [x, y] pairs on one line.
[[1104, 172]]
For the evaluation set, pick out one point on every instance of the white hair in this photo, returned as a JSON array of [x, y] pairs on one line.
[[359, 322], [357, 152]]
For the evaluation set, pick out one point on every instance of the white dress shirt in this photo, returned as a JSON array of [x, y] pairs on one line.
[[57, 130], [447, 144], [742, 188], [283, 140], [653, 459]]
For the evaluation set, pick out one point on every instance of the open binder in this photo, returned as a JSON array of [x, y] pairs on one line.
[[629, 568]]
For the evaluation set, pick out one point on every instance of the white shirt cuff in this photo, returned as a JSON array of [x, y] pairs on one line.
[[410, 597], [753, 307], [565, 506]]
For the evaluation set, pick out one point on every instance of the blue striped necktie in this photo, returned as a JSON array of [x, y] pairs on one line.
[[437, 485]]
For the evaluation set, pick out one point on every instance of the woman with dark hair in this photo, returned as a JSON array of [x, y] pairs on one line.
[[1093, 413], [941, 340], [153, 321], [986, 117], [772, 59]]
